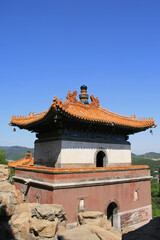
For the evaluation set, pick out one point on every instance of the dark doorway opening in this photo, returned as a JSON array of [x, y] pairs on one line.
[[100, 159], [112, 215]]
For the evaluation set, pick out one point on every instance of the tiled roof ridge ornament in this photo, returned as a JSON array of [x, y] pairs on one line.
[[83, 96], [31, 114], [57, 102], [72, 96], [94, 101], [133, 116]]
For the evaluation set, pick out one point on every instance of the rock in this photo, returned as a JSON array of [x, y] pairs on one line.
[[21, 219], [105, 223], [24, 230], [127, 229], [21, 232], [4, 172], [116, 232], [61, 229], [7, 198], [78, 233], [95, 222], [3, 166], [71, 225], [25, 207], [43, 228], [25, 224], [49, 212], [20, 225], [30, 236], [13, 218], [94, 218], [18, 196], [90, 214], [6, 187], [6, 210], [103, 234], [14, 231]]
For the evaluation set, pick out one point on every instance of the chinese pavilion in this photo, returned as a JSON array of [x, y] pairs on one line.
[[81, 134], [82, 160]]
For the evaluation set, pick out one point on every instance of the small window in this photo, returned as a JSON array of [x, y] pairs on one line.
[[37, 198], [81, 205], [135, 196]]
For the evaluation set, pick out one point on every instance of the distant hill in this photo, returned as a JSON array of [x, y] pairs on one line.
[[150, 155], [133, 155], [154, 165], [16, 152]]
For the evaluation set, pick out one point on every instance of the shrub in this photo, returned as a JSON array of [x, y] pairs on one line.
[[3, 157]]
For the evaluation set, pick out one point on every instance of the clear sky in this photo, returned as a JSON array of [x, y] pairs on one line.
[[48, 47]]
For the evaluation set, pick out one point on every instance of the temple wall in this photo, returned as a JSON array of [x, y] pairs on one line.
[[63, 153], [129, 190], [47, 153], [119, 156], [84, 153]]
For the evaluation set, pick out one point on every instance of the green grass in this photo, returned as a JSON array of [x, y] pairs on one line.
[[12, 173]]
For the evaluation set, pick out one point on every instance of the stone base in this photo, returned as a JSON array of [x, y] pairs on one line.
[[123, 194]]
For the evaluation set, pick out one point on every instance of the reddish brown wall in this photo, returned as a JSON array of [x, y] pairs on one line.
[[96, 197], [52, 177]]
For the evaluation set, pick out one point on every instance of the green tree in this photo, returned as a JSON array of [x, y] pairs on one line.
[[155, 198], [3, 157], [154, 188]]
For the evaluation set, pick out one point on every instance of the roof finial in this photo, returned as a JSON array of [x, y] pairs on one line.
[[84, 96]]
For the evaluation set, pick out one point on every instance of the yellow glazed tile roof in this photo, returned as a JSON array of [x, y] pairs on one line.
[[87, 112], [28, 160]]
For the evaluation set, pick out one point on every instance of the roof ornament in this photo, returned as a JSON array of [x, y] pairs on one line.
[[31, 114], [94, 101], [56, 101], [83, 96], [133, 116], [72, 96]]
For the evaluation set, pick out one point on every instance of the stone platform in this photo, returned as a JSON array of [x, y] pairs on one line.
[[123, 193]]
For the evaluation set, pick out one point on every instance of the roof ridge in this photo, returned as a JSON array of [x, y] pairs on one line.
[[88, 112], [124, 117]]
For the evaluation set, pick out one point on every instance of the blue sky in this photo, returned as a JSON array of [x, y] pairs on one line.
[[49, 47]]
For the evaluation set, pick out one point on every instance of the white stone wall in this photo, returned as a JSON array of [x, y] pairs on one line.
[[61, 153], [119, 155], [85, 152]]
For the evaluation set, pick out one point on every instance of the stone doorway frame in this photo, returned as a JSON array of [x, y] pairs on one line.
[[105, 158], [112, 214]]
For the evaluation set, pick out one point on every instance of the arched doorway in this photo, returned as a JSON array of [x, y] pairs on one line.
[[112, 214], [100, 159]]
